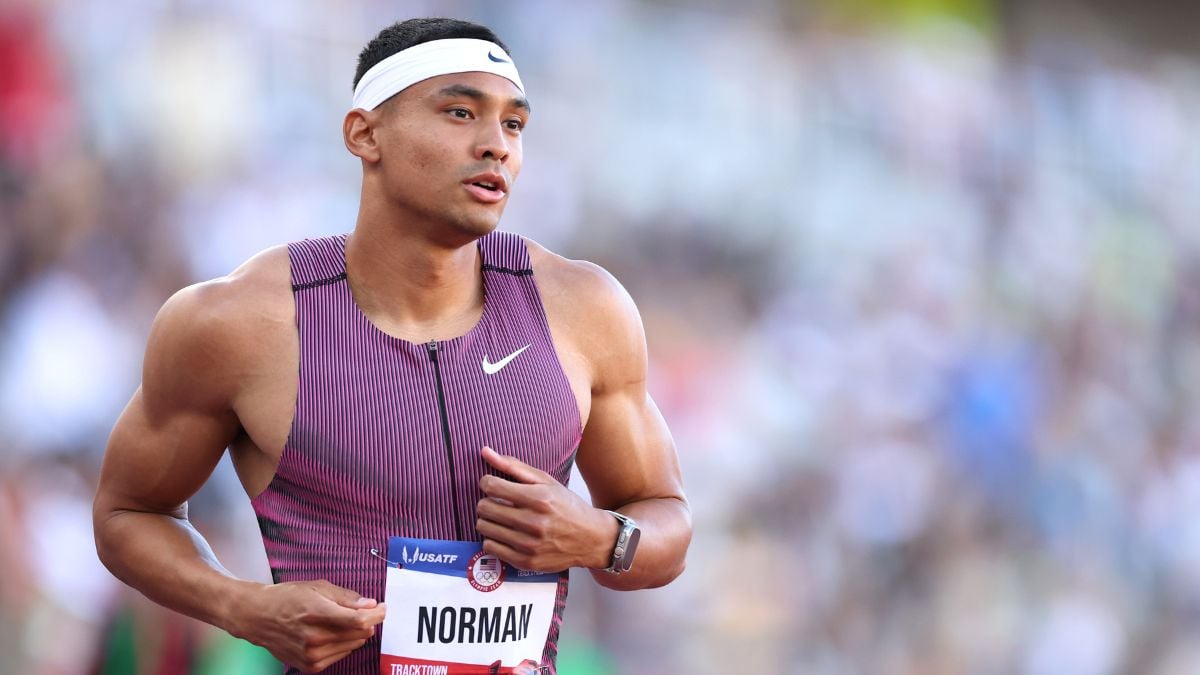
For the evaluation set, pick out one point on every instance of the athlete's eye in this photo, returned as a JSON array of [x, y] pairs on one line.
[[460, 113], [515, 125]]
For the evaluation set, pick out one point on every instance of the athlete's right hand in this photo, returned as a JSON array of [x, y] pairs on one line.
[[307, 624]]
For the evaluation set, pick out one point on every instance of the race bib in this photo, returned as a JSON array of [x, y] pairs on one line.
[[454, 610]]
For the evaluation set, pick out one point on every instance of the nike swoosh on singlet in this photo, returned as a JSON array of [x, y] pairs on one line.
[[493, 368]]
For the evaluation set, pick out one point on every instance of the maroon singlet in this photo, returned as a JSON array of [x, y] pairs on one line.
[[387, 433]]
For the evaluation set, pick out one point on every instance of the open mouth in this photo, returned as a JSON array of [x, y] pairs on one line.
[[486, 191]]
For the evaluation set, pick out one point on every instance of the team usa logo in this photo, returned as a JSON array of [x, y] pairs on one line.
[[485, 572]]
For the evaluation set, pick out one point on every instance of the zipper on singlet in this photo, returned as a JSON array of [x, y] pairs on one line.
[[437, 374]]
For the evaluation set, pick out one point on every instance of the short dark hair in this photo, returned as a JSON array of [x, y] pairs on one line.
[[404, 34]]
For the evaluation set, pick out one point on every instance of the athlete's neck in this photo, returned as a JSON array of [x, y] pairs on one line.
[[410, 286]]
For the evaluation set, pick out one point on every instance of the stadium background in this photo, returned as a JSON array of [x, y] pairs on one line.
[[921, 281]]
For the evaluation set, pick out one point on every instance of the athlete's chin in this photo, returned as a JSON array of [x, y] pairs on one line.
[[479, 223]]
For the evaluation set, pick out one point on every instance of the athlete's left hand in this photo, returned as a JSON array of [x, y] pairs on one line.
[[533, 522]]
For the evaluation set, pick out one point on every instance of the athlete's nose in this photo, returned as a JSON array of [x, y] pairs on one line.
[[492, 143]]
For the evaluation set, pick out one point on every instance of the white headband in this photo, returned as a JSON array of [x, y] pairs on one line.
[[430, 59]]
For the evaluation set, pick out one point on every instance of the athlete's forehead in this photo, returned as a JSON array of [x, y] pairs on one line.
[[476, 86]]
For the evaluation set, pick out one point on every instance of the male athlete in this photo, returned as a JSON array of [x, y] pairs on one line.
[[403, 404]]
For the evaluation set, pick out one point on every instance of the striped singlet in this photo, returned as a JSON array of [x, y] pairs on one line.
[[387, 434]]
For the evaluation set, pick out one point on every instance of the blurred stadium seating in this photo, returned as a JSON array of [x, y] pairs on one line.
[[921, 282]]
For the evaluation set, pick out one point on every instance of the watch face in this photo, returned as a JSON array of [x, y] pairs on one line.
[[631, 549]]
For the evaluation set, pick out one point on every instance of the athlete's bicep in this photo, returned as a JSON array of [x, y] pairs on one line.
[[627, 453], [174, 430], [157, 464]]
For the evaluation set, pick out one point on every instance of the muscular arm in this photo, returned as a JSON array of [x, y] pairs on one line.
[[163, 448], [626, 455]]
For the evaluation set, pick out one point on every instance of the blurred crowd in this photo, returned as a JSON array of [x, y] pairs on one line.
[[923, 311]]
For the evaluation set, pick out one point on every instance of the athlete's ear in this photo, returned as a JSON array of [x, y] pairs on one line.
[[358, 131]]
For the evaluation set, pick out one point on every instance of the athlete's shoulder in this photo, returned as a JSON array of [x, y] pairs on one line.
[[207, 335], [594, 309], [258, 289], [223, 315], [583, 281]]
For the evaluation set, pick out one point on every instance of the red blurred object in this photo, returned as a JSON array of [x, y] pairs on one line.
[[33, 100]]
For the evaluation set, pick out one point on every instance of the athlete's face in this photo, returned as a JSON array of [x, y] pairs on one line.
[[450, 149]]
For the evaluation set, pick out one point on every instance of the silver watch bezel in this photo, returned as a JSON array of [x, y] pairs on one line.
[[617, 564]]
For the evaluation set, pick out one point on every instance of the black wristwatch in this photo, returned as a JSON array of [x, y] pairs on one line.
[[627, 542]]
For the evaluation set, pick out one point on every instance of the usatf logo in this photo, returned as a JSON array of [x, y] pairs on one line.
[[417, 556], [485, 572]]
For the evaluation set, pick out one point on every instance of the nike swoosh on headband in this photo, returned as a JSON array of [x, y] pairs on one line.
[[430, 59]]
